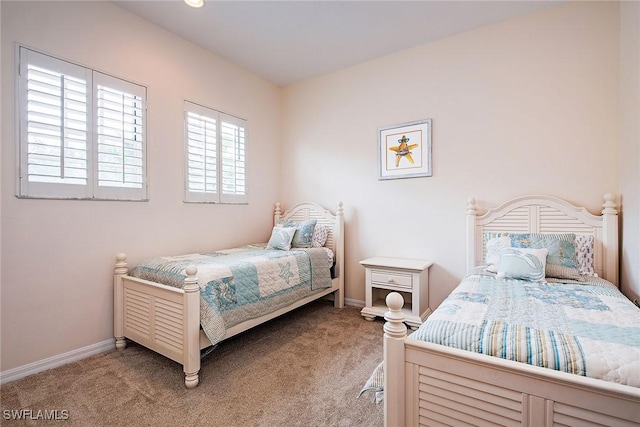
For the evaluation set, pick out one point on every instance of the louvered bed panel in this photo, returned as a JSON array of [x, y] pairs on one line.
[[568, 415], [168, 317], [554, 221], [155, 320], [518, 221], [453, 400], [137, 309]]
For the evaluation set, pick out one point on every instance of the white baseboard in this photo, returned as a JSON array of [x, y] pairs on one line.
[[353, 302], [55, 361]]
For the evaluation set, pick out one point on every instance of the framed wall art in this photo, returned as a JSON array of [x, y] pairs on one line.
[[404, 151]]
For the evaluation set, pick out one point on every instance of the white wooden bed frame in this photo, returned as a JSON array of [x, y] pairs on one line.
[[431, 384], [167, 319]]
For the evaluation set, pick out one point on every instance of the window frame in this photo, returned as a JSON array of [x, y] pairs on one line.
[[220, 118], [26, 189]]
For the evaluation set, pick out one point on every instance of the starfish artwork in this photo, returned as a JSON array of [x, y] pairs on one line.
[[403, 149]]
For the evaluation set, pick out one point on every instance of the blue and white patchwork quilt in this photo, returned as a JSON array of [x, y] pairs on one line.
[[585, 328], [242, 283]]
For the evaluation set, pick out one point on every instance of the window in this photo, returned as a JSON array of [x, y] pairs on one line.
[[82, 134], [215, 156]]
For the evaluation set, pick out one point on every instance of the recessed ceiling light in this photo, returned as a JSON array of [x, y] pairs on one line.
[[195, 3]]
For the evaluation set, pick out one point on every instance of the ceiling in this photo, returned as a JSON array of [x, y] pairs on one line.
[[290, 41]]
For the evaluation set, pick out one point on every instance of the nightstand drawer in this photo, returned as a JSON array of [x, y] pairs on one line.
[[391, 278]]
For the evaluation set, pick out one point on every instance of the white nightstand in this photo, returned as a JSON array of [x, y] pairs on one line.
[[409, 277]]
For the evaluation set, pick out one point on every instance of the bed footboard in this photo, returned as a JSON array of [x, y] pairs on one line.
[[430, 384], [162, 318]]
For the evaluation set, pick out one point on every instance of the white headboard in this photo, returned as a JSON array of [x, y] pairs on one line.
[[310, 210], [546, 214]]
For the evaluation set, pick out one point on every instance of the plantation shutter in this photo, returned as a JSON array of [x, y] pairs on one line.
[[55, 145], [215, 156], [82, 134], [201, 154], [233, 159], [120, 133]]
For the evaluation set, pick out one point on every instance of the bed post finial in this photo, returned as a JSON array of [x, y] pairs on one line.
[[191, 282], [395, 327], [277, 213], [609, 205], [340, 211], [471, 206], [121, 264]]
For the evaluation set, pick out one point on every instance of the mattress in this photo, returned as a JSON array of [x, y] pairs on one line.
[[242, 283], [585, 328]]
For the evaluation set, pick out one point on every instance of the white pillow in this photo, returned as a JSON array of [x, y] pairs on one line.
[[523, 263], [494, 246], [281, 238]]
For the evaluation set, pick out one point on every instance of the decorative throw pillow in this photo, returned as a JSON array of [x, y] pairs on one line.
[[561, 261], [281, 238], [522, 263], [494, 245], [584, 254], [304, 232], [320, 235]]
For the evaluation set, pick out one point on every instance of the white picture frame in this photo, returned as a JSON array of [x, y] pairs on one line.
[[404, 150]]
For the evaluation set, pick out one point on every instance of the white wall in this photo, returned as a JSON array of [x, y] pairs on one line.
[[630, 146], [522, 107], [58, 256], [527, 106]]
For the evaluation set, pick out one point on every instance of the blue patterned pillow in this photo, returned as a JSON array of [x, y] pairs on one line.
[[494, 246], [522, 263], [304, 232], [281, 238], [561, 261]]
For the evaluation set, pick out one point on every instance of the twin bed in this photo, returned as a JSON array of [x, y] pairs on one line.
[[575, 360], [510, 349], [179, 305]]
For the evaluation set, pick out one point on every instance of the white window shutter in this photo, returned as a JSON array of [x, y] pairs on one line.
[[54, 97], [233, 143], [201, 154], [215, 156], [120, 134], [82, 134]]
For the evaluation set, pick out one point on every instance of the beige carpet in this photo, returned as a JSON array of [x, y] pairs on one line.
[[305, 368]]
